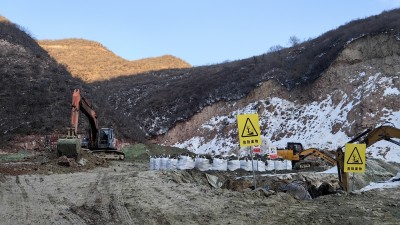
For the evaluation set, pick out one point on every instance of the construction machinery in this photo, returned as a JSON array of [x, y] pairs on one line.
[[368, 137], [297, 154], [100, 141]]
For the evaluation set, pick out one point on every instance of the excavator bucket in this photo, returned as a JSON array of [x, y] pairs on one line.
[[70, 147]]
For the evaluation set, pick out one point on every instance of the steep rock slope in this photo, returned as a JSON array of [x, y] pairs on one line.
[[361, 89], [91, 61]]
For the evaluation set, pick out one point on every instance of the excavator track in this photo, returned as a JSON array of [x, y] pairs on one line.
[[109, 154]]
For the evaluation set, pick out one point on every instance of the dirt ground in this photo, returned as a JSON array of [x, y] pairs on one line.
[[122, 192]]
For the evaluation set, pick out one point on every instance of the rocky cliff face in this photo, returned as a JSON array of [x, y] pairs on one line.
[[359, 90]]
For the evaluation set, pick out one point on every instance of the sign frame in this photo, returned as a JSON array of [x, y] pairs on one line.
[[354, 158], [248, 130]]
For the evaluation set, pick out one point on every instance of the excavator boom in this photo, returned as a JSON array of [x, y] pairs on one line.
[[317, 153]]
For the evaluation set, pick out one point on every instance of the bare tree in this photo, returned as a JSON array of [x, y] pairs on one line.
[[294, 41], [275, 48]]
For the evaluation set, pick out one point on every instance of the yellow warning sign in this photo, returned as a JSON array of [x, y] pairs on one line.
[[249, 130], [354, 158]]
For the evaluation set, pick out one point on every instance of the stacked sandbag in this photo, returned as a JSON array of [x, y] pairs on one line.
[[279, 165], [246, 165], [259, 165], [220, 164], [185, 163], [163, 164], [270, 165], [171, 164], [157, 163], [152, 162], [233, 164], [202, 163]]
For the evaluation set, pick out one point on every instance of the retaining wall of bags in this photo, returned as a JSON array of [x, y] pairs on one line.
[[202, 163]]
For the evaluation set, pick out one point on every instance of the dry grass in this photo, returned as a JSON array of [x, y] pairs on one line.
[[3, 19], [91, 61]]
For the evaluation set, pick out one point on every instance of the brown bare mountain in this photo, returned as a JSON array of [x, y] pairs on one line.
[[91, 61]]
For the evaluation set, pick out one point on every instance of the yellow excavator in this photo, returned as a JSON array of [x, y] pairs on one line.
[[297, 154], [368, 137]]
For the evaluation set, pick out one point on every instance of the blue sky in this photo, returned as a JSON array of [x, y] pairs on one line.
[[201, 32]]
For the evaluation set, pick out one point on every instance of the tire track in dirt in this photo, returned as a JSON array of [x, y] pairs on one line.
[[121, 210], [21, 198], [61, 194], [37, 215], [117, 204], [99, 196], [103, 200], [156, 201], [7, 213]]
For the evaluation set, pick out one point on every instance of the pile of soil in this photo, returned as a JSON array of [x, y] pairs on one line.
[[47, 162]]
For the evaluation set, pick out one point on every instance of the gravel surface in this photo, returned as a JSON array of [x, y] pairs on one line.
[[127, 193]]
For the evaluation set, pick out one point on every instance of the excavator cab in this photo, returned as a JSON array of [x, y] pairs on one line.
[[106, 139], [296, 147]]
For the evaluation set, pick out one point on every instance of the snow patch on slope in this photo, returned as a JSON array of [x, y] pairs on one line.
[[317, 124]]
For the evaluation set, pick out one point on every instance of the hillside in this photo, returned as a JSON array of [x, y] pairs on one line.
[[332, 73], [159, 101], [34, 91], [91, 61], [359, 90]]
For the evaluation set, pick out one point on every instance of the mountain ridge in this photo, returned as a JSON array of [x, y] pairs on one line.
[[91, 61]]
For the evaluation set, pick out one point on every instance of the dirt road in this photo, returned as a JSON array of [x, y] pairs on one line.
[[126, 193]]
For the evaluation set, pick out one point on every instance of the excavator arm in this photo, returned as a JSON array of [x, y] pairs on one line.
[[368, 137], [382, 133], [79, 103], [318, 153]]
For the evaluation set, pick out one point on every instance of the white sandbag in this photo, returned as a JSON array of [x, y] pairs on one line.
[[163, 165], [220, 164], [280, 165], [151, 163], [270, 165], [288, 164], [197, 162], [171, 164], [246, 165], [202, 164], [233, 165], [185, 163], [157, 163], [283, 165], [260, 166]]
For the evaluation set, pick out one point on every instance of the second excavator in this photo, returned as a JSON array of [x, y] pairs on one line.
[[297, 154], [100, 141], [368, 137]]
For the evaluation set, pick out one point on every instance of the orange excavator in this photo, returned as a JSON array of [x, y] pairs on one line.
[[368, 137], [101, 141]]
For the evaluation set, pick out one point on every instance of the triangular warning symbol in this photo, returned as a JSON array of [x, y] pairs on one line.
[[355, 157], [249, 130]]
